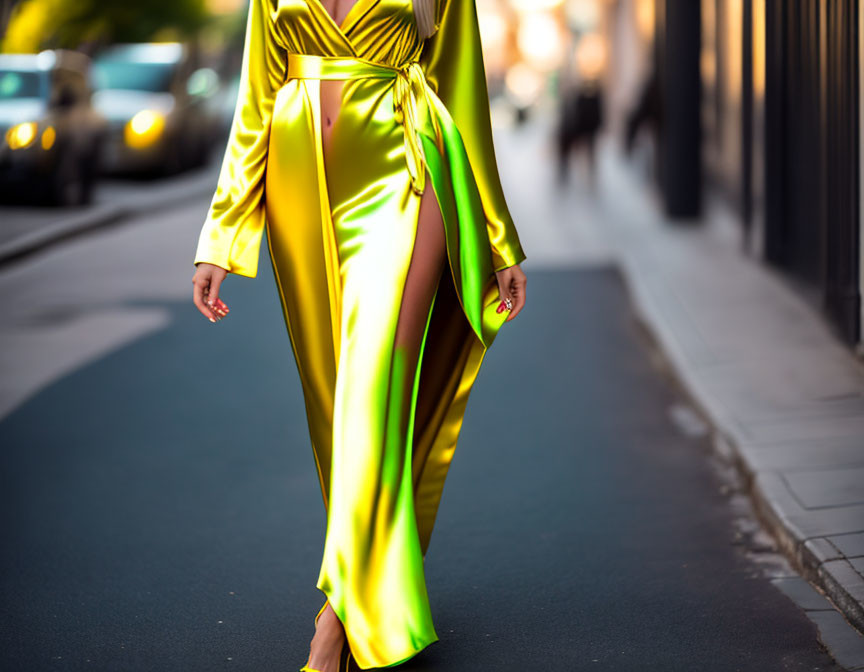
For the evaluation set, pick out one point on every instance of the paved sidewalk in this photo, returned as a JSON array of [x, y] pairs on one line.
[[785, 397]]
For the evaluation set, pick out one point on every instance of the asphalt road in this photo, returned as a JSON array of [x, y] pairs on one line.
[[161, 512]]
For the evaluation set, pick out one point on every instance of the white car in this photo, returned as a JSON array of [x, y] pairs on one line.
[[155, 103]]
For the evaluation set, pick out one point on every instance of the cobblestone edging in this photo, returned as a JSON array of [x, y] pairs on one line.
[[805, 540]]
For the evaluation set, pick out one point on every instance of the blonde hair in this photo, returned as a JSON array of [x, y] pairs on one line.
[[424, 16]]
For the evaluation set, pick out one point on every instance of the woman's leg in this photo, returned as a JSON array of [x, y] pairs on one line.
[[428, 261]]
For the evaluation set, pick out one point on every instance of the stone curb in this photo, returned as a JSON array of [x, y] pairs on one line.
[[817, 560], [101, 216], [61, 230]]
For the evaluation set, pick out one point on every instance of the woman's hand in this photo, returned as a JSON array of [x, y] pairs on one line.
[[511, 284], [206, 283]]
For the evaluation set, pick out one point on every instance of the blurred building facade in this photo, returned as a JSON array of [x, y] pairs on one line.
[[758, 104]]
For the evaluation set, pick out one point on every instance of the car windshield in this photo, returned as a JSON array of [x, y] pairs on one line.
[[19, 84], [153, 77]]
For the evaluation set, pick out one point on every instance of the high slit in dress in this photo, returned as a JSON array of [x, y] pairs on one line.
[[414, 115]]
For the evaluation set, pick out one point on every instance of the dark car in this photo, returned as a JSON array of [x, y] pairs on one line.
[[51, 135], [155, 100]]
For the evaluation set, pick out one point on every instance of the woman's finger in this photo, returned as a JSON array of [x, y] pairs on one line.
[[519, 297], [517, 306], [219, 308], [198, 299], [213, 295], [504, 278]]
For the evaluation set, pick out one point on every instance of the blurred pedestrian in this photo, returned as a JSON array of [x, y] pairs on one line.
[[580, 113], [579, 122]]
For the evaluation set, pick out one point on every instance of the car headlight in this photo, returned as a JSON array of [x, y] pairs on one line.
[[143, 129], [49, 135], [21, 135]]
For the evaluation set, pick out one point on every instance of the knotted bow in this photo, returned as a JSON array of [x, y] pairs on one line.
[[409, 89], [412, 108]]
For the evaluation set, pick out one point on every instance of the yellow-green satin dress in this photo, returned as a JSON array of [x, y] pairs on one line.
[[414, 115]]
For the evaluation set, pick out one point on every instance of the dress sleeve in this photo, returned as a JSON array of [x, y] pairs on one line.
[[232, 231], [452, 59]]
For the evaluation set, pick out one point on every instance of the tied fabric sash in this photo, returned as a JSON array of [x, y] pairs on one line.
[[411, 105]]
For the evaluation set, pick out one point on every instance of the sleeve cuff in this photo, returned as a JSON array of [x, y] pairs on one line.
[[208, 257], [502, 259]]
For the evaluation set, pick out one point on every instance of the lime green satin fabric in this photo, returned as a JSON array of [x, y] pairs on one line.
[[341, 230]]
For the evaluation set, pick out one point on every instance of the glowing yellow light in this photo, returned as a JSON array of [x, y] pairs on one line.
[[759, 48], [224, 6], [535, 5], [494, 30], [144, 129], [591, 56], [524, 84], [49, 135], [645, 12], [734, 65], [583, 14], [540, 40], [21, 135]]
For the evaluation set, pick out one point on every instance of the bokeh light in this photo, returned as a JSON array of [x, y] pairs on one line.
[[144, 129], [22, 135]]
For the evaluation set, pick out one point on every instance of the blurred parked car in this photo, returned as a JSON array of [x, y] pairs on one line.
[[51, 134], [156, 105]]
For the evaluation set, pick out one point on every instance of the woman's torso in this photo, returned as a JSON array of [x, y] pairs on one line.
[[379, 30], [331, 90], [366, 164]]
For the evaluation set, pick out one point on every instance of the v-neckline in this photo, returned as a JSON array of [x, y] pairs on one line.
[[346, 22]]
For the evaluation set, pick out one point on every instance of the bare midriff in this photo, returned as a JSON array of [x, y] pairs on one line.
[[331, 90], [331, 103]]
